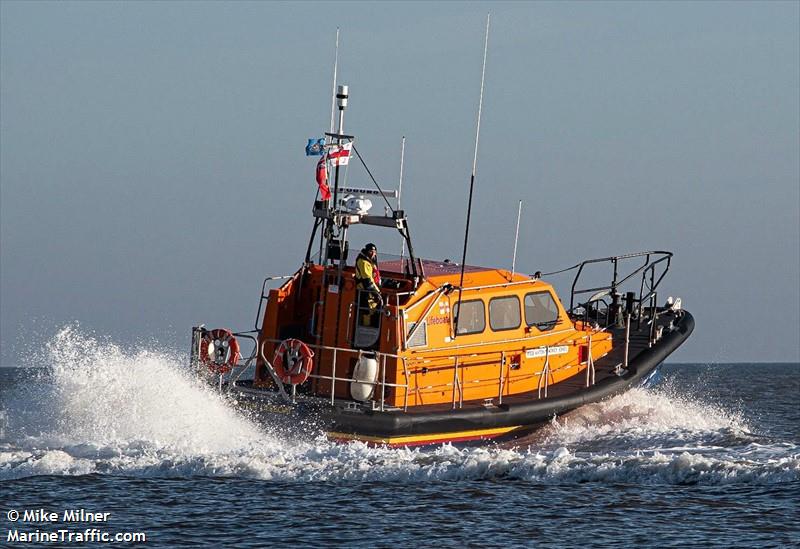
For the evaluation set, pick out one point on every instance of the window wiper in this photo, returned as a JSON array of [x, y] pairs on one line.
[[546, 324]]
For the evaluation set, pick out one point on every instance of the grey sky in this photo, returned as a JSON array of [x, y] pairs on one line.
[[152, 162]]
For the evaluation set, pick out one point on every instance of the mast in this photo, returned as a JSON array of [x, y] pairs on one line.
[[319, 221], [472, 177], [333, 105], [328, 285], [341, 100]]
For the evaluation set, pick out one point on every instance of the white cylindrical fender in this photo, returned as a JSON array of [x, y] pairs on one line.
[[365, 374]]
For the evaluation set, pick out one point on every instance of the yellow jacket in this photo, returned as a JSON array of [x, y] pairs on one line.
[[365, 274]]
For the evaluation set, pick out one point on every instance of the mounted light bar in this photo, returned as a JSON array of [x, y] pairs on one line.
[[367, 192]]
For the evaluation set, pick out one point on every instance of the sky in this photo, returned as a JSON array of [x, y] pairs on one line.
[[152, 169]]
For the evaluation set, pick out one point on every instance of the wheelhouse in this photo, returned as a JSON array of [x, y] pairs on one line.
[[509, 335]]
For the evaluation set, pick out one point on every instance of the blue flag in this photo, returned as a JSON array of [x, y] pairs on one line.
[[315, 147]]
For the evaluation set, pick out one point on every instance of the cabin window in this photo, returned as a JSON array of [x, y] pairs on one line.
[[473, 320], [541, 310], [420, 337], [504, 313]]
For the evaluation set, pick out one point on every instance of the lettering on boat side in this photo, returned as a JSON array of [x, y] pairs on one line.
[[543, 351]]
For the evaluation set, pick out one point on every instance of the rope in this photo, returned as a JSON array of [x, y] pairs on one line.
[[562, 270], [358, 154]]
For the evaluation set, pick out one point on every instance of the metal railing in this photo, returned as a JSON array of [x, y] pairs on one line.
[[590, 371], [380, 380], [505, 360], [265, 295], [545, 374], [652, 268]]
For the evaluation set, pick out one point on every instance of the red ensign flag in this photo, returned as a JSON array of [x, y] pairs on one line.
[[322, 179]]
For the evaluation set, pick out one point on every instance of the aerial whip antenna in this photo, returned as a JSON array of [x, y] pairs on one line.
[[335, 68], [516, 238], [400, 191], [472, 177], [333, 110]]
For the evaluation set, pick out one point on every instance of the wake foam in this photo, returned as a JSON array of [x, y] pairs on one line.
[[649, 418], [96, 393], [99, 409]]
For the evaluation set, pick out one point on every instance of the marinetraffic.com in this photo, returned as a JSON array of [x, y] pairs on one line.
[[25, 527]]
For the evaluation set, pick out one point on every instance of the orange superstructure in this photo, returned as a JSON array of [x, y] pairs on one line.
[[514, 337]]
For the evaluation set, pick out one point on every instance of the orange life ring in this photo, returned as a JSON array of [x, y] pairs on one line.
[[293, 361], [219, 350]]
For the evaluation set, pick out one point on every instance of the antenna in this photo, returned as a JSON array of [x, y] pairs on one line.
[[335, 68], [472, 177], [516, 238], [322, 258], [400, 191]]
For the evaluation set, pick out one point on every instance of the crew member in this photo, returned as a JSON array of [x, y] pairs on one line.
[[368, 281]]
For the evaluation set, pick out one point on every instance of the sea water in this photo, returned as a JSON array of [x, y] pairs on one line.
[[708, 457]]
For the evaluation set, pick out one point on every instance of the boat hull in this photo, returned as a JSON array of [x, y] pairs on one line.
[[515, 417]]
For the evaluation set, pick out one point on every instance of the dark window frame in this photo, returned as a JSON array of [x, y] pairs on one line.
[[519, 313], [543, 326], [423, 329], [457, 311]]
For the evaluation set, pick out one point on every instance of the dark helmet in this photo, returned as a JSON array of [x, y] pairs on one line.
[[370, 247]]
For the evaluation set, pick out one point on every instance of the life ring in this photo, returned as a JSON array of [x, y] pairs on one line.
[[293, 361], [219, 350]]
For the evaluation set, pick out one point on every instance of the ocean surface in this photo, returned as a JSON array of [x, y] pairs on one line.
[[710, 457]]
